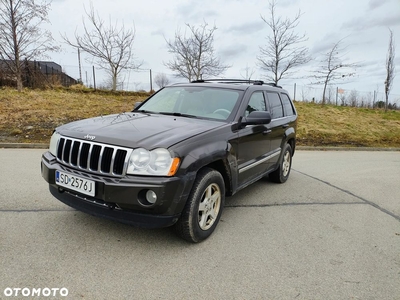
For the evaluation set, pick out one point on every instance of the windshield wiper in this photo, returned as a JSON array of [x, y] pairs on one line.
[[176, 114], [143, 111]]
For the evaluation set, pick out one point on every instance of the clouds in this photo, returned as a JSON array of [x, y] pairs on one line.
[[374, 4], [325, 43], [247, 28], [233, 51], [196, 12], [241, 31], [365, 23], [378, 13]]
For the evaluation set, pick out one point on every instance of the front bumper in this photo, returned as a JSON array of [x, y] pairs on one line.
[[118, 198]]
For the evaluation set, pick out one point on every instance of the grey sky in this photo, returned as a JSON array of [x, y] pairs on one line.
[[362, 24]]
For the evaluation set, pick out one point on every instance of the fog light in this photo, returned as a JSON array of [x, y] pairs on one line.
[[151, 197]]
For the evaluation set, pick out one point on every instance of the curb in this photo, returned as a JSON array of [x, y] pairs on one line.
[[23, 146], [330, 148], [305, 148]]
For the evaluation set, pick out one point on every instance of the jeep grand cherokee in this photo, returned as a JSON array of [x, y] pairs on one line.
[[174, 158]]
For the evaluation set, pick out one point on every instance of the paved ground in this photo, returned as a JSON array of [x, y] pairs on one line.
[[331, 232]]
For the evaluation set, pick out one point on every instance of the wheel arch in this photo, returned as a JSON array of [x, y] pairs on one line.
[[292, 143], [223, 168], [290, 138], [218, 155]]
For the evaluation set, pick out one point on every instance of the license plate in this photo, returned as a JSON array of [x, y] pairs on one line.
[[75, 183]]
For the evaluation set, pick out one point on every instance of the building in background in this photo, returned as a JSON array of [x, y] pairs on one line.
[[36, 74]]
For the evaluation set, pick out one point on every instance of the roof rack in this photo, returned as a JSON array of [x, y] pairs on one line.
[[224, 80], [273, 84]]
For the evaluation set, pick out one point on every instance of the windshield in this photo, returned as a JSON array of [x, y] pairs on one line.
[[201, 102]]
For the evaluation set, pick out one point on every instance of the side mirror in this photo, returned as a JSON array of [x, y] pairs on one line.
[[136, 104], [256, 118]]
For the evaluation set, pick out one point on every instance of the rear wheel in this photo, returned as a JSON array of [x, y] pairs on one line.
[[281, 174], [203, 208]]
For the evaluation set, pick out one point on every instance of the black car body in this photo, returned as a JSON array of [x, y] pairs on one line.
[[174, 158]]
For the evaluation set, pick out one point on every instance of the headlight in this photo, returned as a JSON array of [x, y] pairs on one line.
[[157, 162], [54, 142]]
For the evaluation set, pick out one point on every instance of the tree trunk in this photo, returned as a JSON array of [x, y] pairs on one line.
[[18, 73], [323, 94], [114, 80], [387, 100], [327, 79], [19, 81]]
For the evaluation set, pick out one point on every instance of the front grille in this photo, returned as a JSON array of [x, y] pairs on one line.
[[93, 157]]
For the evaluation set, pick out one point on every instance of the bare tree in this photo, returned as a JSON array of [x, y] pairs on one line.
[[282, 51], [161, 80], [390, 70], [329, 72], [110, 44], [249, 72], [353, 98], [194, 56], [21, 35]]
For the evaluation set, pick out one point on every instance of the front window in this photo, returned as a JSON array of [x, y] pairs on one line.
[[256, 103], [202, 102]]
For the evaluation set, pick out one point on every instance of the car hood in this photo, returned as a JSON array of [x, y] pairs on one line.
[[135, 130]]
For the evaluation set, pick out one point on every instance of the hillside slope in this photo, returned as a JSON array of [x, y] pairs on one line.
[[31, 116]]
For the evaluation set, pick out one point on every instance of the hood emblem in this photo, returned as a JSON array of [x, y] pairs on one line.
[[89, 137]]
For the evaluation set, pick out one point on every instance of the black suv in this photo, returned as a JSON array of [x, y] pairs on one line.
[[174, 158]]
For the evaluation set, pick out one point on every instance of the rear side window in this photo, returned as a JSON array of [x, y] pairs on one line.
[[275, 104], [287, 105]]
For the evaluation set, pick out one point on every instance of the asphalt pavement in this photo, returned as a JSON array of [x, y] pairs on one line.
[[332, 231]]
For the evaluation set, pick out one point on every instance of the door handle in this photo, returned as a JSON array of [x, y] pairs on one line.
[[265, 132]]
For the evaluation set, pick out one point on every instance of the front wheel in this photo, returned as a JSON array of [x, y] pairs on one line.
[[203, 208], [281, 174]]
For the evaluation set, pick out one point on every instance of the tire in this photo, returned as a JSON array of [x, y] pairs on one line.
[[203, 208], [281, 174]]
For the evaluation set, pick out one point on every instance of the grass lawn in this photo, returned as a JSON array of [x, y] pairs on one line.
[[31, 116]]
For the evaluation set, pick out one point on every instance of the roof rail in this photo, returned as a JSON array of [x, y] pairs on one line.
[[273, 84], [225, 80]]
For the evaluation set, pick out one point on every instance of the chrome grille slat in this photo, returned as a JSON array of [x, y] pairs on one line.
[[89, 158], [78, 161], [93, 157], [99, 168], [73, 157], [113, 160]]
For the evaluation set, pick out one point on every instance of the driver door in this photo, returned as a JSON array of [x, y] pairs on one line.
[[254, 144]]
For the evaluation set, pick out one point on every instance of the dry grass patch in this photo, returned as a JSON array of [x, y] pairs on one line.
[[347, 126], [32, 115]]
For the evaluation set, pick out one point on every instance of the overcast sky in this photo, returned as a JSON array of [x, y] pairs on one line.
[[363, 24]]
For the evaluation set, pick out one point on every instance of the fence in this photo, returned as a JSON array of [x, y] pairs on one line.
[[36, 74], [94, 77], [344, 97]]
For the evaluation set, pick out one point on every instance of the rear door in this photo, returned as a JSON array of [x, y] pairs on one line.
[[278, 123]]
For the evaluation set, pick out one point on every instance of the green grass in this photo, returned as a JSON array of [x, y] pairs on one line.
[[31, 116]]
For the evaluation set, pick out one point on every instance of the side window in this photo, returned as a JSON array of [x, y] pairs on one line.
[[256, 103], [276, 105], [287, 105]]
